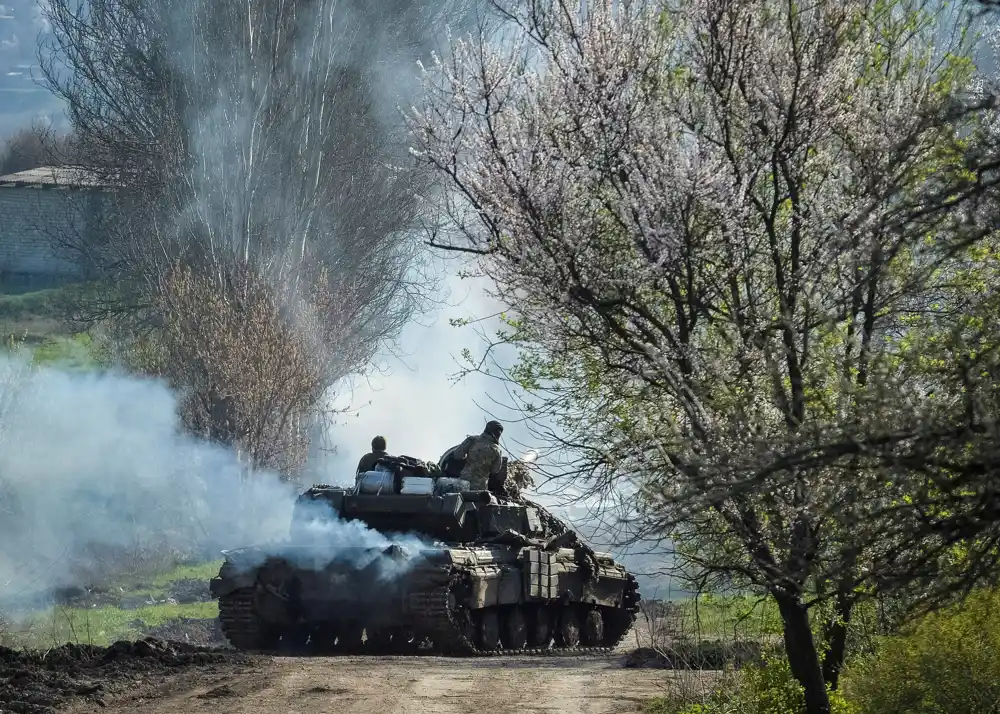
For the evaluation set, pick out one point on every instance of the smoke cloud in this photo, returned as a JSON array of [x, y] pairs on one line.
[[97, 477]]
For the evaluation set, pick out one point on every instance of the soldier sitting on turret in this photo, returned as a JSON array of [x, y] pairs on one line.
[[478, 457], [368, 461]]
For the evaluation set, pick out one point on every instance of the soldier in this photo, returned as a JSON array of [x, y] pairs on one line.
[[479, 455], [367, 462]]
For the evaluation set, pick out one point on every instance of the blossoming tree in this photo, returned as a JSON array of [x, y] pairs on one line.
[[722, 228]]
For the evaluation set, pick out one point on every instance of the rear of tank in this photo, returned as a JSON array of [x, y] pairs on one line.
[[311, 586], [328, 589]]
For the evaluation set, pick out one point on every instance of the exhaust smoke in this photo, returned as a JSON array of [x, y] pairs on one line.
[[98, 479]]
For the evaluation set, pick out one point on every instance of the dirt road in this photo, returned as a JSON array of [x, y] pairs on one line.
[[405, 685]]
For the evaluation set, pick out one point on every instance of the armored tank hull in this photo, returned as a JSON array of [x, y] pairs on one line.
[[459, 600], [505, 581]]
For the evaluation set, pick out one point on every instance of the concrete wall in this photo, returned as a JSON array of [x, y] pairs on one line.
[[35, 220]]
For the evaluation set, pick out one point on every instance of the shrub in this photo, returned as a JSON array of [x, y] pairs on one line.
[[947, 663], [767, 688]]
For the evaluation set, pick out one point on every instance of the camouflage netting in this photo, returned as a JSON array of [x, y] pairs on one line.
[[518, 479]]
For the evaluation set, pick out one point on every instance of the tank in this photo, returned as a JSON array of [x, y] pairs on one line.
[[459, 572]]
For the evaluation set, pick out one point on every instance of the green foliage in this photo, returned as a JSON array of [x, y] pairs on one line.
[[739, 616], [74, 353], [38, 304], [948, 663], [106, 624], [36, 321], [158, 584], [759, 689]]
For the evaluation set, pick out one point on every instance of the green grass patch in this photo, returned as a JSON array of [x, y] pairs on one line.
[[101, 625], [661, 705], [739, 616], [41, 304], [68, 352], [158, 584], [200, 571], [35, 322]]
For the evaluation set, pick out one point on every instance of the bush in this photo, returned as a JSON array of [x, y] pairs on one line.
[[948, 663], [767, 688]]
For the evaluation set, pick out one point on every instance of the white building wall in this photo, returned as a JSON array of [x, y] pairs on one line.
[[33, 221]]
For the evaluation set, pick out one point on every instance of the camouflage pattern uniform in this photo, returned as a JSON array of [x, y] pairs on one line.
[[483, 460]]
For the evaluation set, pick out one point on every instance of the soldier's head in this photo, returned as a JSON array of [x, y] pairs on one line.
[[494, 429], [378, 443]]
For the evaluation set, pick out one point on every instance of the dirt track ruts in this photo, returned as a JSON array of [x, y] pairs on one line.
[[405, 685]]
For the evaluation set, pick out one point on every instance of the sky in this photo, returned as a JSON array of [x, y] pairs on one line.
[[21, 99]]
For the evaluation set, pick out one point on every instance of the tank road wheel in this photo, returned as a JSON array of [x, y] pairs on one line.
[[515, 629], [593, 627], [324, 639], [569, 628], [489, 630], [296, 640], [541, 631]]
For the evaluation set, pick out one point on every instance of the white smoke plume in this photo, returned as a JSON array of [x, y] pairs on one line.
[[97, 477]]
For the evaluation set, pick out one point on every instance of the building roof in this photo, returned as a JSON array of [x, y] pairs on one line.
[[51, 177]]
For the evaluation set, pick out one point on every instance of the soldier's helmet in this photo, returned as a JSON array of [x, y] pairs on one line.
[[494, 429]]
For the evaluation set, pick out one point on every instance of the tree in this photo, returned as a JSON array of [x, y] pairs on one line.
[[255, 144], [34, 147], [713, 225]]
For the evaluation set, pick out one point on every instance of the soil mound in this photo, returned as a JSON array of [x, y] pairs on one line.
[[43, 682]]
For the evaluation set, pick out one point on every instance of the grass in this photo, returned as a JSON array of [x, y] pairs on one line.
[[37, 305], [725, 617], [150, 583], [35, 321], [730, 616], [69, 352], [661, 705], [159, 584], [101, 625]]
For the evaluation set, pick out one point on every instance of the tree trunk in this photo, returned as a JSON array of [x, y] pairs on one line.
[[221, 413], [803, 657], [836, 641]]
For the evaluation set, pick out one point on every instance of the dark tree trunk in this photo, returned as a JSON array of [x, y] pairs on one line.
[[803, 658], [835, 635], [221, 412]]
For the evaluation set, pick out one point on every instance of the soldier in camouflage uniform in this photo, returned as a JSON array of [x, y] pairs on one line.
[[481, 456]]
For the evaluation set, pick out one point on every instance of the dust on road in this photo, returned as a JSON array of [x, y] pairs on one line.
[[405, 685]]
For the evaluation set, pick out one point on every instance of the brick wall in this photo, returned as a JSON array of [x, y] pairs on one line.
[[35, 220]]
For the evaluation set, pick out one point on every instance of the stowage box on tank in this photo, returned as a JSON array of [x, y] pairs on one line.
[[488, 575]]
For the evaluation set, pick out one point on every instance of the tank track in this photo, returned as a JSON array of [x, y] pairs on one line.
[[239, 622], [431, 605]]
